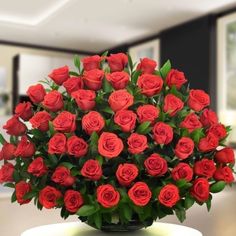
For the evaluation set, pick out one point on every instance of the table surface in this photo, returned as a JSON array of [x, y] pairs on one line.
[[81, 229]]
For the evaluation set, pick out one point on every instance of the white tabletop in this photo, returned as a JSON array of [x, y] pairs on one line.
[[81, 229]]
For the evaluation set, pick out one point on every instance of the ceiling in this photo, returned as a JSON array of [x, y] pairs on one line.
[[95, 25]]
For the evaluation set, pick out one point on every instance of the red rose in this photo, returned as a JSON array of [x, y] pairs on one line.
[[162, 133], [125, 119], [63, 176], [137, 143], [208, 117], [156, 165], [6, 173], [93, 79], [73, 200], [205, 168], [184, 148], [218, 130], [77, 146], [198, 99], [147, 65], [57, 144], [92, 170], [225, 156], [15, 127], [22, 188], [24, 110], [224, 174], [85, 99], [65, 122], [60, 75], [208, 143], [37, 167], [92, 62], [175, 78], [40, 121], [191, 122], [182, 171], [25, 148], [147, 113], [120, 100], [109, 145], [169, 195], [172, 104], [126, 174], [107, 196], [36, 93], [117, 62], [200, 189], [92, 122], [118, 80], [150, 85], [7, 152], [53, 101], [73, 84], [49, 196], [140, 194]]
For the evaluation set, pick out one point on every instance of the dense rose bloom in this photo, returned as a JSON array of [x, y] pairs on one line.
[[120, 100], [85, 99], [15, 127], [7, 152], [175, 78], [73, 84], [150, 85], [73, 200], [22, 188], [198, 99], [146, 65], [93, 79], [107, 196], [24, 110], [91, 62], [191, 122], [208, 117], [125, 119], [53, 101], [92, 122], [60, 75], [200, 189], [156, 165], [182, 171], [140, 194], [57, 144], [147, 113], [40, 121], [6, 173], [62, 176], [37, 167], [77, 146], [92, 170], [65, 122], [205, 168], [36, 93], [172, 104], [208, 143], [184, 148], [169, 195], [137, 143], [109, 145], [162, 133], [225, 156], [117, 62], [25, 148], [118, 80], [224, 174], [218, 130], [126, 174], [49, 196]]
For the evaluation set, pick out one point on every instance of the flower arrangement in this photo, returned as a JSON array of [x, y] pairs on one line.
[[115, 143]]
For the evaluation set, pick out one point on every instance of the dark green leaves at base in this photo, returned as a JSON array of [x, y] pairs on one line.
[[87, 210]]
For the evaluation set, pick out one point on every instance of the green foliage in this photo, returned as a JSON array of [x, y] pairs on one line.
[[165, 69], [217, 187], [144, 128], [77, 62], [87, 210], [2, 140]]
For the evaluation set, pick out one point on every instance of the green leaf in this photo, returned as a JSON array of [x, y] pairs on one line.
[[197, 134], [9, 185], [99, 159], [30, 195], [67, 165], [189, 201], [135, 76], [181, 214], [108, 110], [2, 140], [77, 62], [106, 86], [87, 210], [217, 187], [143, 128], [16, 176], [104, 54], [130, 63], [208, 203], [165, 69], [183, 184], [51, 128], [127, 212], [13, 197], [93, 143], [98, 220], [73, 73]]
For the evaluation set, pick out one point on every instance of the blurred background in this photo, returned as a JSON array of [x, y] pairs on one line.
[[198, 36]]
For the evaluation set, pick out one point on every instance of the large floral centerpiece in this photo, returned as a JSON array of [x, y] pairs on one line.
[[117, 144]]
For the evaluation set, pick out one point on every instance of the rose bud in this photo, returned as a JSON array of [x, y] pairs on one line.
[[92, 122], [191, 122], [198, 99], [15, 127], [107, 196], [126, 174], [208, 117], [172, 104], [73, 84], [25, 148], [175, 78], [36, 93], [40, 121], [6, 173], [91, 62], [49, 196], [140, 194], [225, 156], [184, 148], [24, 110], [146, 65], [224, 174], [92, 170], [169, 195], [57, 144], [37, 167], [208, 143], [22, 188], [60, 75], [200, 189], [125, 119], [118, 80], [147, 113], [156, 165], [162, 133], [117, 62], [218, 130], [53, 101], [73, 201], [182, 171], [150, 85], [7, 152], [137, 143], [93, 79], [77, 146], [63, 176], [205, 168]]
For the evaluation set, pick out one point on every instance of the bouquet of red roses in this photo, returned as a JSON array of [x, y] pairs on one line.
[[115, 143]]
